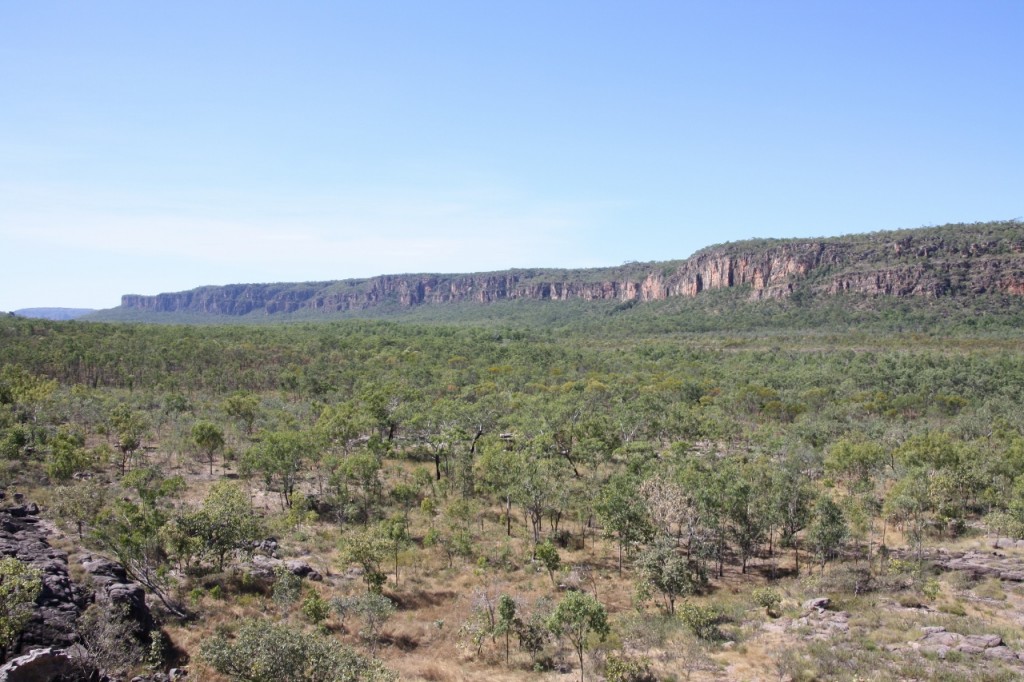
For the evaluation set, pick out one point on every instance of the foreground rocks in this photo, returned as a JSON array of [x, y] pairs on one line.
[[977, 564], [940, 642], [41, 664], [62, 600], [816, 623], [42, 649], [113, 589], [264, 568]]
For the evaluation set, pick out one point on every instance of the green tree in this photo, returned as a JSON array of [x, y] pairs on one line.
[[548, 556], [209, 440], [793, 499], [226, 522], [315, 607], [20, 584], [395, 532], [702, 621], [78, 505], [25, 392], [855, 462], [133, 530], [577, 617], [499, 471], [130, 427], [828, 530], [367, 548], [357, 478], [746, 521], [908, 504], [279, 457], [340, 425], [67, 456], [244, 407], [668, 570], [287, 587], [622, 510], [373, 610], [506, 620]]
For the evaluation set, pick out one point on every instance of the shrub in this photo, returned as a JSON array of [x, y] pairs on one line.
[[702, 621], [768, 599], [110, 640], [548, 556], [287, 586], [625, 669], [269, 652], [315, 608], [20, 584]]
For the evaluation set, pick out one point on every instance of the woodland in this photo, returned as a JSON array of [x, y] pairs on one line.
[[704, 489]]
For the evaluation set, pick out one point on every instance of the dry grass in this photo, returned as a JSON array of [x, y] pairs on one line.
[[422, 641]]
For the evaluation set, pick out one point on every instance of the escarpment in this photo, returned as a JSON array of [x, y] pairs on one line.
[[929, 262]]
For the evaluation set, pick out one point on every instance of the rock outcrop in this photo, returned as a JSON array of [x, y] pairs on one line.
[[41, 665], [54, 620], [61, 600], [977, 564], [931, 262], [940, 642]]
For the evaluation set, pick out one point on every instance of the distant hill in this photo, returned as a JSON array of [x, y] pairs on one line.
[[961, 260], [54, 313]]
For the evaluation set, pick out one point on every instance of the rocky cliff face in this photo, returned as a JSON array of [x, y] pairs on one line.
[[952, 260]]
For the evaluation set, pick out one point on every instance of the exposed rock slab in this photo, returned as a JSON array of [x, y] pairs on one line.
[[54, 620], [61, 600]]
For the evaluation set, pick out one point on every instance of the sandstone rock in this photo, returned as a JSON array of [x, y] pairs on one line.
[[968, 649], [42, 665], [983, 641], [939, 650], [263, 568], [114, 590], [61, 601], [930, 267], [52, 623], [1001, 652], [947, 639], [818, 603], [303, 570]]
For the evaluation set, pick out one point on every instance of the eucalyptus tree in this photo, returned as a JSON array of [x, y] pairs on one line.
[[132, 531], [280, 458], [621, 509], [208, 439], [579, 617], [828, 530]]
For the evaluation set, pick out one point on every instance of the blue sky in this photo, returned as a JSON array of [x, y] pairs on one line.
[[149, 147]]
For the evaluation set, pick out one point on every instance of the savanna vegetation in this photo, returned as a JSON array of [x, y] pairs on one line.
[[634, 493]]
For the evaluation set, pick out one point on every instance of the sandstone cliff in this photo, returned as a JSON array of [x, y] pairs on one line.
[[930, 262]]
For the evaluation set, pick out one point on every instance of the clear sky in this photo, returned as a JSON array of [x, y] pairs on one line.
[[159, 146]]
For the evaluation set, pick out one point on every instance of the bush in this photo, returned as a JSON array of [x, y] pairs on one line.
[[768, 599], [315, 608], [548, 556], [626, 669], [702, 621], [287, 586], [110, 640], [269, 652]]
